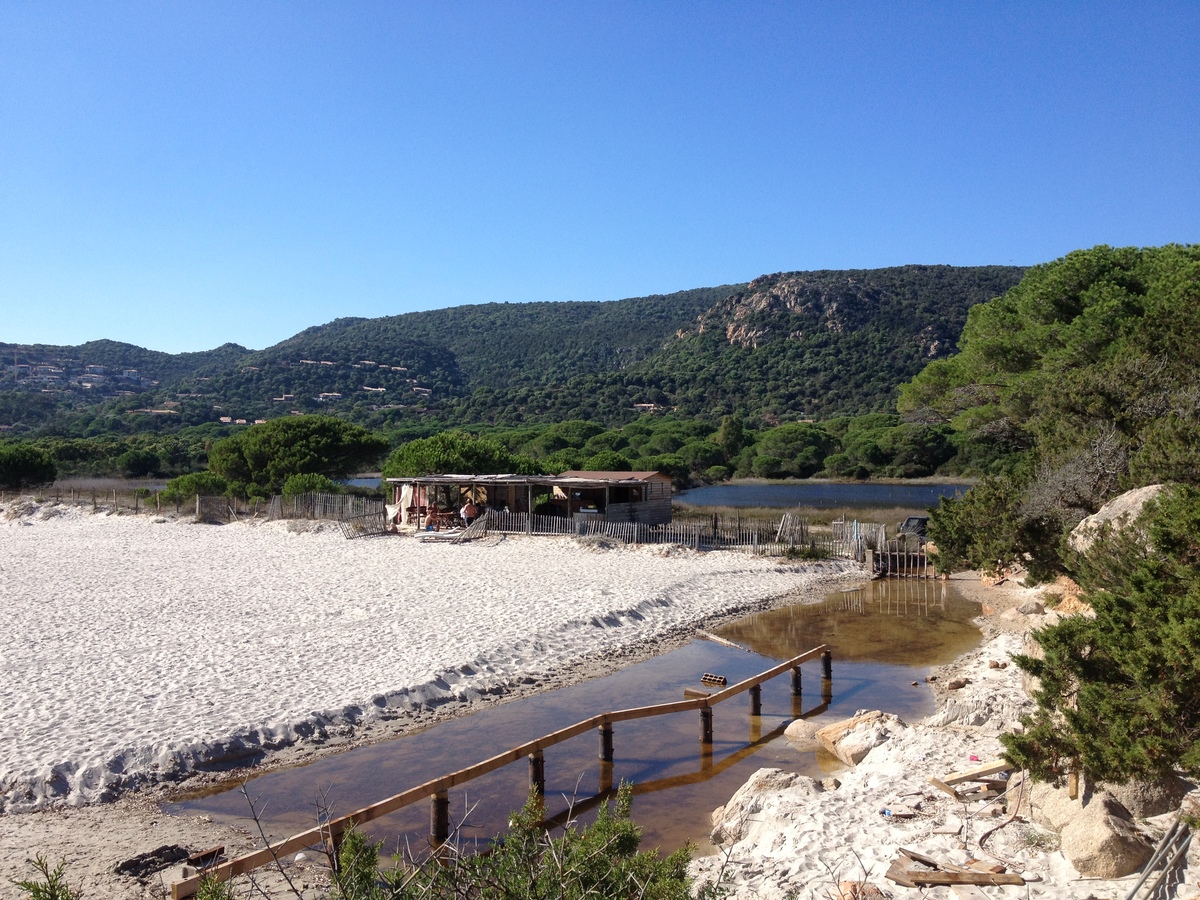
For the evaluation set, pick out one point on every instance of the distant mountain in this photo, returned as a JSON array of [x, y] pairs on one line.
[[786, 345]]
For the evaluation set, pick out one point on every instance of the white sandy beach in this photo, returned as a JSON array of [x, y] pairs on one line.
[[138, 649]]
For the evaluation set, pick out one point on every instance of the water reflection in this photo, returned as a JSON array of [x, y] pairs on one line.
[[883, 634]]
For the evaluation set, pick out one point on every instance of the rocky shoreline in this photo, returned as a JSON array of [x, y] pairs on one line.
[[784, 835]]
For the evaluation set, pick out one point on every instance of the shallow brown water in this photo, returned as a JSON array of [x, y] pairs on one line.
[[884, 636]]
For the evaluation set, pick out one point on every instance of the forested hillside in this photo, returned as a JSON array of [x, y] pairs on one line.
[[1079, 383], [789, 346]]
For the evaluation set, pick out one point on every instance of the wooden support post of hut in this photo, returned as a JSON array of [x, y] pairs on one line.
[[439, 818], [537, 773], [706, 726], [606, 742]]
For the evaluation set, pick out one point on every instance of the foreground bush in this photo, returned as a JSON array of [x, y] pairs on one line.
[[599, 861]]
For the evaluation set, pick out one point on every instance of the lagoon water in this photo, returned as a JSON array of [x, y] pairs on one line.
[[824, 494], [884, 635]]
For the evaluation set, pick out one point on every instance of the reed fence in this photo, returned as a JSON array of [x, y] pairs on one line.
[[787, 536]]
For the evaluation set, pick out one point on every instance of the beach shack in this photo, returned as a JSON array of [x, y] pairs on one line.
[[437, 500]]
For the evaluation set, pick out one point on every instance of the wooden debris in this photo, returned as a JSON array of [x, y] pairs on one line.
[[709, 678], [202, 859], [695, 693], [979, 773], [942, 786], [937, 872]]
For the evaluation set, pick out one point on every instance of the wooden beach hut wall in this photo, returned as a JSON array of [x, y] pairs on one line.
[[619, 496], [643, 497]]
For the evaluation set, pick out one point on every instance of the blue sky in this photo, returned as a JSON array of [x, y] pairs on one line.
[[179, 175]]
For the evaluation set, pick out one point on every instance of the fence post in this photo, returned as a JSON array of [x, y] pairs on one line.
[[756, 700], [606, 742], [537, 773], [439, 818], [827, 664], [706, 728], [796, 692]]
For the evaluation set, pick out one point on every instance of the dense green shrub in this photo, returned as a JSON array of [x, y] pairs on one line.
[[1118, 692], [24, 466], [206, 484]]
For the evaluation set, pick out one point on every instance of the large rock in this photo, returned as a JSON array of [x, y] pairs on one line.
[[1105, 842], [1145, 799], [734, 821], [1098, 834], [802, 733], [1117, 513], [852, 739]]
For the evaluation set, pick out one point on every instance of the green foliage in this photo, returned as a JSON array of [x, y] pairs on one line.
[[185, 487], [979, 529], [800, 447], [600, 860], [1118, 691], [356, 876], [212, 888], [22, 465], [138, 463], [264, 456], [607, 461], [1101, 340], [308, 483], [456, 453], [51, 883]]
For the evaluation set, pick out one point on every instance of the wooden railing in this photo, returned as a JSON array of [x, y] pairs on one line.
[[437, 789]]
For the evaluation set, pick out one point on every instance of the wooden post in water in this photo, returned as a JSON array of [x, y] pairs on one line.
[[537, 773], [706, 728], [606, 743], [756, 700], [439, 818], [796, 682], [827, 664], [606, 776]]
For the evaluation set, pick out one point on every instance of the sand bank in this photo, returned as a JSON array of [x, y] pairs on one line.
[[140, 651]]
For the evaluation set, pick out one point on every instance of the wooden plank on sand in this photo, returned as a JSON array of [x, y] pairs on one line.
[[995, 767]]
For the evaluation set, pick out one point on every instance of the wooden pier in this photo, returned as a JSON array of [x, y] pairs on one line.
[[436, 790]]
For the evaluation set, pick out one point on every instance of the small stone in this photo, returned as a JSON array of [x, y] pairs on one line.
[[957, 684], [300, 857]]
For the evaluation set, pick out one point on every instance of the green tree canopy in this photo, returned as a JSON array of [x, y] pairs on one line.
[[265, 456], [456, 453]]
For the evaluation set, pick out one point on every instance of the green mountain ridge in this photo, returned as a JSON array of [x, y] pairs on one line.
[[785, 346]]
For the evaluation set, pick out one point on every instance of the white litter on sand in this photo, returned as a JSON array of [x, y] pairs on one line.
[[138, 650]]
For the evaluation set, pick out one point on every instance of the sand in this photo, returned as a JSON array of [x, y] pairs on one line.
[[143, 652]]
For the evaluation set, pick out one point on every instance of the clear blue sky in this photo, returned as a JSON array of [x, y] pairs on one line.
[[178, 175]]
